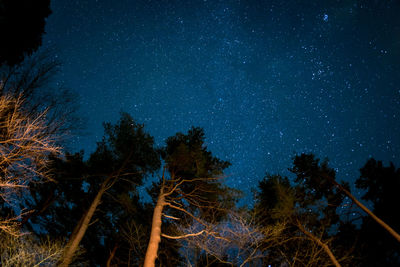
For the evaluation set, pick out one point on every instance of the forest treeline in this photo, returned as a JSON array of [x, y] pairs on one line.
[[69, 209]]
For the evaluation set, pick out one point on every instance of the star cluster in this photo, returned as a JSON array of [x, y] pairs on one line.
[[266, 79]]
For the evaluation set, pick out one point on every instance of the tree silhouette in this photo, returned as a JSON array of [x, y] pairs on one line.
[[22, 24]]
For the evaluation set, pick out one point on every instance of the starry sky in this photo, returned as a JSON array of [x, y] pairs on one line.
[[265, 79]]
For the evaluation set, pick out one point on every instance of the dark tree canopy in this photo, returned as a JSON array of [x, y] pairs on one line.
[[187, 156], [22, 24], [126, 151], [314, 186], [307, 205]]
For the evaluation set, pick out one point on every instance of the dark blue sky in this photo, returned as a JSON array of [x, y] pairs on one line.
[[266, 79]]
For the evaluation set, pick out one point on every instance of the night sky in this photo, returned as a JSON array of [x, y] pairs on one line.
[[265, 79]]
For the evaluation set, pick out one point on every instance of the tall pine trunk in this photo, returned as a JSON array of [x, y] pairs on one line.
[[81, 228], [370, 213], [155, 235]]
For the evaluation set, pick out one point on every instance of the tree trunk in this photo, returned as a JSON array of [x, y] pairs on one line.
[[365, 209], [155, 236], [319, 242], [81, 228]]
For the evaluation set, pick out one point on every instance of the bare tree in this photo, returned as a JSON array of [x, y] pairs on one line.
[[135, 235], [25, 250], [32, 80], [237, 241], [241, 240], [24, 148]]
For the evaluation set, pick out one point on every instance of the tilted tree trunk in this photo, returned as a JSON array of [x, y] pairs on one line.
[[370, 213], [324, 246], [155, 235], [84, 222], [81, 228]]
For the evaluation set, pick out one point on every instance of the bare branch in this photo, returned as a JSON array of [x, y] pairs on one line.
[[170, 217], [183, 236]]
